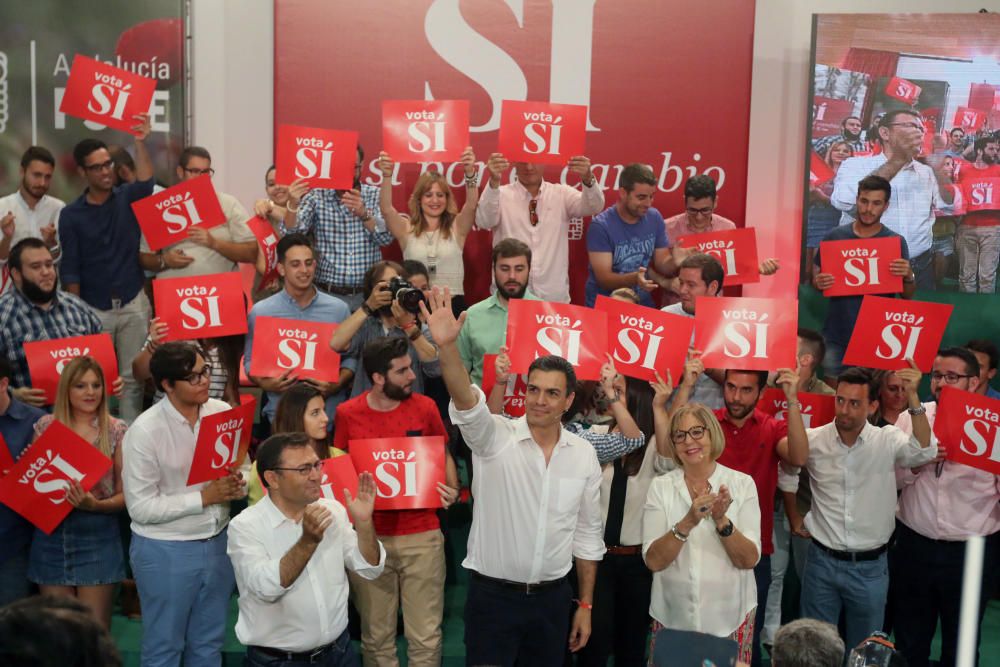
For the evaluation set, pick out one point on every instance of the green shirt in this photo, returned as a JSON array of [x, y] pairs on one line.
[[484, 331]]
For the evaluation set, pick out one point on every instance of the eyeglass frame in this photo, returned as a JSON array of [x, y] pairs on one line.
[[95, 168], [935, 375], [305, 469], [199, 172], [195, 379], [688, 433]]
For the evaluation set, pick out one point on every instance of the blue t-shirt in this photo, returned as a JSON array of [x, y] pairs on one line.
[[631, 246], [843, 310]]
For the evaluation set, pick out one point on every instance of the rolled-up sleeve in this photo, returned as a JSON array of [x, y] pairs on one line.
[[355, 560], [788, 478], [257, 573], [908, 452], [588, 538], [141, 482], [488, 210], [478, 426]]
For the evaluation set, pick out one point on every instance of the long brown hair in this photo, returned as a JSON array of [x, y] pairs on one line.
[[63, 411], [424, 183], [290, 415]]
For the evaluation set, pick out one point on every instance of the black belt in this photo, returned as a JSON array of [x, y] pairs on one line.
[[338, 289], [305, 656], [527, 589], [853, 556]]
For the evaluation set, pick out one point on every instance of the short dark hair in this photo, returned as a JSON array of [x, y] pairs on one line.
[[37, 153], [289, 241], [761, 376], [980, 143], [413, 267], [270, 451], [963, 354], [862, 376], [6, 370], [634, 174], [511, 247], [699, 187], [84, 148], [190, 152], [873, 183], [843, 123], [987, 347], [552, 362], [378, 353], [14, 259], [374, 272], [814, 341], [173, 361], [889, 117], [708, 265], [54, 630]]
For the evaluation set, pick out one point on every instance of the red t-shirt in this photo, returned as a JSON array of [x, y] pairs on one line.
[[968, 176], [752, 449], [416, 416]]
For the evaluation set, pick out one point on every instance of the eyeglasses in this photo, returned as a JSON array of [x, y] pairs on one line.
[[949, 378], [198, 378], [199, 172], [704, 212], [94, 168], [304, 470], [696, 433], [912, 126], [533, 212]]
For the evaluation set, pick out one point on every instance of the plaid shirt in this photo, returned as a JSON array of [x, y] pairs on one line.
[[345, 246], [24, 322]]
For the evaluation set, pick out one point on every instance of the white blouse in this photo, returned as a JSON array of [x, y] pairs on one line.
[[442, 257], [701, 590]]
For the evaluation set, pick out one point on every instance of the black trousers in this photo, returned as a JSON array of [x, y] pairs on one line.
[[620, 620], [929, 587], [506, 627]]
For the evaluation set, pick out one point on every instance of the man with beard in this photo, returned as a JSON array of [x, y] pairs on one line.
[[298, 300], [756, 443], [623, 240], [36, 309], [942, 505], [850, 131], [414, 546], [381, 315], [485, 327], [978, 237], [873, 197], [988, 357], [539, 213], [29, 212]]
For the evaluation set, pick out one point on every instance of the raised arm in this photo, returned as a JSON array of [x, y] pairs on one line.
[[488, 212], [467, 216], [444, 329], [396, 222]]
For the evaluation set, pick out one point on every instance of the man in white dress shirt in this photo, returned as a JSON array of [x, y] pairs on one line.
[[178, 547], [289, 552], [852, 474], [537, 491]]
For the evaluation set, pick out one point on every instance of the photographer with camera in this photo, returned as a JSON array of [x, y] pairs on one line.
[[389, 309]]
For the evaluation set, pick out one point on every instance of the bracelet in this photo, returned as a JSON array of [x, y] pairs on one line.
[[367, 309], [584, 605], [917, 411], [415, 335], [794, 404], [163, 262], [288, 207], [586, 184], [678, 534], [472, 181], [408, 326]]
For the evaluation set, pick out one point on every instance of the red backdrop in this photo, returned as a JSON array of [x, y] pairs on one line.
[[667, 83]]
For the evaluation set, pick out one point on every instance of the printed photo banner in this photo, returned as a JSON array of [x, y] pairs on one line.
[[542, 133], [514, 391], [205, 306], [861, 266], [643, 340], [746, 333], [326, 158], [888, 331], [267, 242], [406, 470], [425, 130], [223, 440], [736, 250], [816, 410], [166, 216], [280, 345], [968, 425], [47, 358], [575, 333], [36, 486], [106, 94]]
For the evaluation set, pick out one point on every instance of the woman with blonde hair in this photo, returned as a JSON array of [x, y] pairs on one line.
[[83, 556], [435, 231], [701, 534]]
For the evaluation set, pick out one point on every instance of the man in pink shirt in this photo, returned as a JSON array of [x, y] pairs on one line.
[[538, 213], [942, 505], [700, 200]]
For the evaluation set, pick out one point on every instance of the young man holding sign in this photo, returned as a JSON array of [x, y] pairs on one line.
[[537, 490], [978, 237], [873, 197], [184, 606], [942, 505]]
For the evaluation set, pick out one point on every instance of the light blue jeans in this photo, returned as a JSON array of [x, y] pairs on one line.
[[184, 589]]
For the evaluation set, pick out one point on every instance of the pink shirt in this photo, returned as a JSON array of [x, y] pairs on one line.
[[678, 226], [959, 504], [505, 211]]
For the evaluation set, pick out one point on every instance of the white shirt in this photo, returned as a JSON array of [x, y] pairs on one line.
[[701, 590], [529, 520], [915, 196], [854, 488], [706, 391], [156, 461], [310, 613], [28, 223]]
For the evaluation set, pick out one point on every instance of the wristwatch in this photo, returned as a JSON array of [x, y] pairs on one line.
[[726, 530], [917, 411], [678, 534]]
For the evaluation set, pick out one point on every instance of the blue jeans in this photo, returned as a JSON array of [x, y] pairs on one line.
[[833, 360], [340, 654], [184, 588], [860, 589]]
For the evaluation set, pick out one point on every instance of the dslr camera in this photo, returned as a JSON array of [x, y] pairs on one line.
[[408, 296]]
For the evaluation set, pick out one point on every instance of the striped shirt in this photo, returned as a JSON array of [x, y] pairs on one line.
[[22, 321], [609, 445]]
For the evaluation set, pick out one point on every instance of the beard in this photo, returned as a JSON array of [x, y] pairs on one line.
[[519, 294], [851, 136], [396, 392], [37, 192], [737, 411], [35, 294]]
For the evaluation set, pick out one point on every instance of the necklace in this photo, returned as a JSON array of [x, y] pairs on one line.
[[694, 491]]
